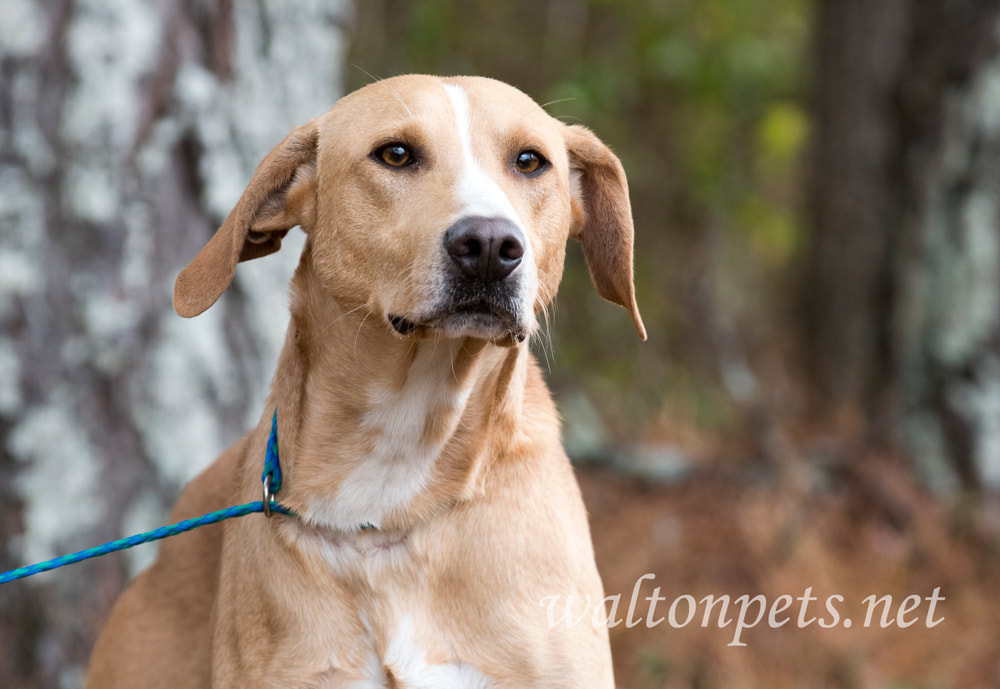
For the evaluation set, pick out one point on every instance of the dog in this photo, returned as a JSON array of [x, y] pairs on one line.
[[433, 505]]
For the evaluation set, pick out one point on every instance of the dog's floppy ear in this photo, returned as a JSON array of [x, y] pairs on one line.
[[602, 218], [279, 196]]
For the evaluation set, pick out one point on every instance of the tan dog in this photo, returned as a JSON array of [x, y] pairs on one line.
[[437, 213]]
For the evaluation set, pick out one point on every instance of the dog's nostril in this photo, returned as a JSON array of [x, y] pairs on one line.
[[462, 246], [511, 249]]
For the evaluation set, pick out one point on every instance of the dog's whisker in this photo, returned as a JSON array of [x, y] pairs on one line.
[[544, 337], [339, 318], [358, 334], [556, 101], [366, 73], [410, 267], [381, 82]]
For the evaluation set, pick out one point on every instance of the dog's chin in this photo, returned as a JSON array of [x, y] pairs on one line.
[[481, 322], [501, 329]]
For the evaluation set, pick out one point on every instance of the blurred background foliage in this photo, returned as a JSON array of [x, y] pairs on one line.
[[705, 103]]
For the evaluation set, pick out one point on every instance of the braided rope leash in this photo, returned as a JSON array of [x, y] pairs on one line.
[[139, 539], [271, 479]]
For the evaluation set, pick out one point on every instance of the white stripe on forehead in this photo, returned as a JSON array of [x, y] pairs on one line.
[[477, 194]]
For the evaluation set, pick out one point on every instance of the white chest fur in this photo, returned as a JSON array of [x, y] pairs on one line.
[[402, 457], [406, 661]]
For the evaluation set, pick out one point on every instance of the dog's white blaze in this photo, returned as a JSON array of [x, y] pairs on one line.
[[476, 192], [400, 463], [479, 195], [409, 666]]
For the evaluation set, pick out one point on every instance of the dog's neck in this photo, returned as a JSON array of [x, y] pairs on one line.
[[377, 430]]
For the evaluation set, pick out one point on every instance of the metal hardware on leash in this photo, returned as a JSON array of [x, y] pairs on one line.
[[267, 496], [271, 478]]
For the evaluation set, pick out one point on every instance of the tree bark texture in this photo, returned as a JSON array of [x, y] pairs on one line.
[[901, 285], [859, 47], [127, 132], [946, 338]]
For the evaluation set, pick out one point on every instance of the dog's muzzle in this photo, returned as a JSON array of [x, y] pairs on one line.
[[483, 278], [481, 294]]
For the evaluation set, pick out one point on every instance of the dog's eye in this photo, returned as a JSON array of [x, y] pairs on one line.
[[528, 162], [395, 155]]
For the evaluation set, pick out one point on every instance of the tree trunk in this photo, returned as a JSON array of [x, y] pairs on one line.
[[859, 47], [902, 274], [946, 322], [128, 131]]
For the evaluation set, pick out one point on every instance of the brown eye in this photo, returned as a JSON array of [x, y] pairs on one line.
[[528, 162], [395, 155]]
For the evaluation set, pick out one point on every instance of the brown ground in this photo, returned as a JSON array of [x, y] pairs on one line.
[[853, 532]]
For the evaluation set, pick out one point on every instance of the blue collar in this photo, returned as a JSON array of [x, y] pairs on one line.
[[271, 478]]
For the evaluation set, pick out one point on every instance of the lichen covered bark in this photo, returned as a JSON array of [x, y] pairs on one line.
[[948, 319], [128, 130], [901, 277]]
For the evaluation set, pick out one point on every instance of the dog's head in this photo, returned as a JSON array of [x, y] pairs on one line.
[[442, 206]]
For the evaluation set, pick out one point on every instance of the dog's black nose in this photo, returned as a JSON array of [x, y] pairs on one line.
[[486, 249]]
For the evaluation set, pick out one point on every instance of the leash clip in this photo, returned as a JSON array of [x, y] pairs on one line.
[[268, 497]]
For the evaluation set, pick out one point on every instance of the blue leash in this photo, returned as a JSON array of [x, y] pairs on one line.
[[139, 539], [271, 479]]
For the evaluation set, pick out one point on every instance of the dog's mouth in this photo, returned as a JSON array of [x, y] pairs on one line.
[[401, 325], [474, 317]]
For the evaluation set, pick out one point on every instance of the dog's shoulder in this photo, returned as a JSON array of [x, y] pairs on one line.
[[170, 603]]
